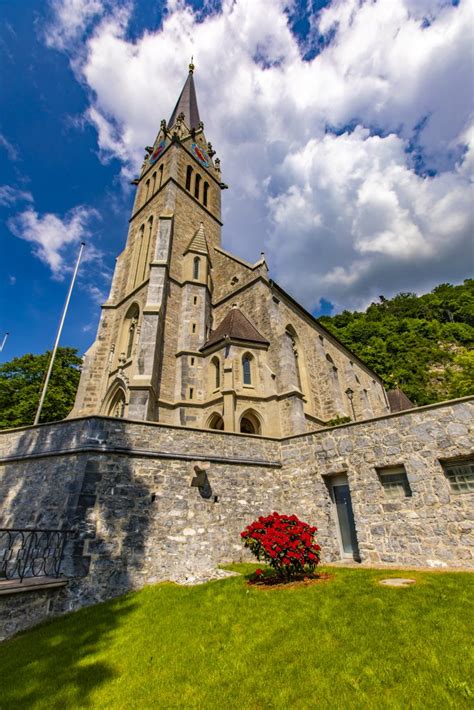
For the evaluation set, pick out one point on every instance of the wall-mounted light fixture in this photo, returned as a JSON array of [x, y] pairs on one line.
[[350, 396]]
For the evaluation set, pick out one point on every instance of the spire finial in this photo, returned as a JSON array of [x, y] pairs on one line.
[[191, 66]]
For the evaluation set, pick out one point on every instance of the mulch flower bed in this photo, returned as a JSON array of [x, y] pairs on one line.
[[275, 582]]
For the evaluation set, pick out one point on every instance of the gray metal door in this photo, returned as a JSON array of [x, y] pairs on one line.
[[345, 515]]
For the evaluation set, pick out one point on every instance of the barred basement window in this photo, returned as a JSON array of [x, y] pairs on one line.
[[460, 475], [395, 482]]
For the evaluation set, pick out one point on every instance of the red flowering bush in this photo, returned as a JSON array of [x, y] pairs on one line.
[[284, 542]]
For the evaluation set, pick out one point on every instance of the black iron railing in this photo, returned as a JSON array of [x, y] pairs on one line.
[[31, 552]]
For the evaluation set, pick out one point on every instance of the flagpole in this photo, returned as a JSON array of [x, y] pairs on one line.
[[56, 343], [4, 341]]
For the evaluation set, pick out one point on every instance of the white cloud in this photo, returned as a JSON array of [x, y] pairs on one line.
[[10, 149], [342, 213], [53, 237], [70, 18], [10, 195]]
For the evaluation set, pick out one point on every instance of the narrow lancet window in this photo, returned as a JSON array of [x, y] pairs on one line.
[[217, 372], [197, 186], [205, 194], [247, 370], [189, 174], [196, 267]]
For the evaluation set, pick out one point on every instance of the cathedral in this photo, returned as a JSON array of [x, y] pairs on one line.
[[194, 336], [209, 398]]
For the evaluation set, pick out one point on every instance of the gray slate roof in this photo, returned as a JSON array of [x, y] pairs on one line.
[[398, 400], [237, 327], [187, 104]]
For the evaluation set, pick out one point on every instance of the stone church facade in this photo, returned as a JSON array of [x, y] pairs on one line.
[[206, 401], [196, 336]]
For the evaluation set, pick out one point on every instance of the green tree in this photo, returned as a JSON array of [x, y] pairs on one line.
[[422, 344], [20, 386], [462, 375]]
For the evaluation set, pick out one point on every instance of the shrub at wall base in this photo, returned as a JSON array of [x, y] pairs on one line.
[[284, 542]]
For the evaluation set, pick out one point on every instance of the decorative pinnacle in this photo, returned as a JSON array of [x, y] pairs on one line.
[[191, 66]]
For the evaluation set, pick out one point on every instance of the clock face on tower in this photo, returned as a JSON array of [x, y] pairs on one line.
[[200, 154], [157, 151]]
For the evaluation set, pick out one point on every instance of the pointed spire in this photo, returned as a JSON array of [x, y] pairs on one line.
[[187, 103]]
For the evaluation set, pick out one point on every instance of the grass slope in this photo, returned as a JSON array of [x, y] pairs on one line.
[[346, 643]]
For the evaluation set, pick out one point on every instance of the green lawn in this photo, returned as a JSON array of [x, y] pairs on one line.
[[346, 643]]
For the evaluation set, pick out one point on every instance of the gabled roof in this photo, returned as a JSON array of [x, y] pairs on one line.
[[198, 241], [187, 103], [236, 327], [398, 400]]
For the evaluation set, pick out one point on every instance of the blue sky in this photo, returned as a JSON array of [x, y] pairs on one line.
[[344, 129]]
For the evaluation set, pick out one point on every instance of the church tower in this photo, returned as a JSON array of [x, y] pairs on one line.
[[144, 362], [193, 335]]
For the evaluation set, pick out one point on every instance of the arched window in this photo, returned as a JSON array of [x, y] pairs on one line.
[[216, 372], [292, 338], [250, 423], [153, 183], [205, 194], [215, 422], [160, 172], [147, 190], [197, 186], [189, 173], [247, 369], [138, 254], [196, 267], [117, 406]]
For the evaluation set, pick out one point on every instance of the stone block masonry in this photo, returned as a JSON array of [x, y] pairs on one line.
[[127, 489]]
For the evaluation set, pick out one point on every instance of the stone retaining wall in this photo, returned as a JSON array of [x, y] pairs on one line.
[[127, 489]]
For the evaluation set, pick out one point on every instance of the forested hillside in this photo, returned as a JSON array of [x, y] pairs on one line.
[[422, 344]]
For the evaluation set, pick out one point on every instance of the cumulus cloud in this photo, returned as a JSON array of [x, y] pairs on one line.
[[53, 237], [353, 168], [70, 19]]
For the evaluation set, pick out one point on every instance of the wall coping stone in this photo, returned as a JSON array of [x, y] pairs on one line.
[[392, 415], [142, 422], [215, 432], [143, 453]]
